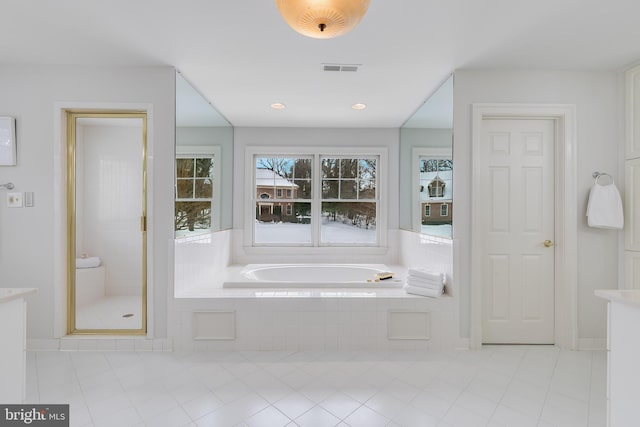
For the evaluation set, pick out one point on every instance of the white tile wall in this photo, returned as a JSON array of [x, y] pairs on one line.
[[348, 323], [317, 323], [200, 259]]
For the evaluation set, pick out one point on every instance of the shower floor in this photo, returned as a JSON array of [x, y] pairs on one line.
[[111, 312]]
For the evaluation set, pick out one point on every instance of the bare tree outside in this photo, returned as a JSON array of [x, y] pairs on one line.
[[194, 193]]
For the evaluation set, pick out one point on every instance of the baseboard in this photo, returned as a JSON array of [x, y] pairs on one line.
[[88, 343], [592, 343], [462, 344]]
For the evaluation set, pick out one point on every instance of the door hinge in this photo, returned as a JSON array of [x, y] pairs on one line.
[[143, 223]]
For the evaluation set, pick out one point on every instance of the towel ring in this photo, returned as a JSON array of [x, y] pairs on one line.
[[597, 176]]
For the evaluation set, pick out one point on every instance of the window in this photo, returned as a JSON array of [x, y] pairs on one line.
[[349, 207], [194, 193], [273, 223], [434, 178], [320, 200], [436, 187]]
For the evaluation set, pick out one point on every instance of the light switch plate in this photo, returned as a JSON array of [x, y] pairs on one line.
[[14, 200], [28, 199]]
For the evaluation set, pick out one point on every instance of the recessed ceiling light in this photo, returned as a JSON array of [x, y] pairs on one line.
[[359, 106], [278, 106]]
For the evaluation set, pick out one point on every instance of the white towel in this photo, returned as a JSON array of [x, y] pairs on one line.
[[425, 274], [604, 209], [425, 292], [422, 283], [90, 262]]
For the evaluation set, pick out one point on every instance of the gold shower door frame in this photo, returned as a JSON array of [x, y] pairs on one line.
[[71, 118]]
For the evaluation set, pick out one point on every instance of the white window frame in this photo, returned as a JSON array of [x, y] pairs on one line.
[[316, 152], [195, 151], [444, 209], [427, 209]]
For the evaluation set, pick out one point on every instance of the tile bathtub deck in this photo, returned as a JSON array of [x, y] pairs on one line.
[[497, 386]]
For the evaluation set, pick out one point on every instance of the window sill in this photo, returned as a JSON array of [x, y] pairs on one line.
[[302, 251]]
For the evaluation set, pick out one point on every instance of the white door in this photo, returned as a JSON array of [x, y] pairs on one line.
[[517, 195]]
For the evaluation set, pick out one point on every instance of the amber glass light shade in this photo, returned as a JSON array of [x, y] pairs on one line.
[[322, 19]]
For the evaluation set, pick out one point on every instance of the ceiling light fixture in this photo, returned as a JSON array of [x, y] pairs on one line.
[[278, 106], [322, 19], [359, 106]]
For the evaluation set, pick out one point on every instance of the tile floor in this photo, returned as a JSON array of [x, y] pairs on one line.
[[499, 386], [108, 313]]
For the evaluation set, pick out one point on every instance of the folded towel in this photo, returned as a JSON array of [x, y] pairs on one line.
[[425, 274], [425, 292], [90, 262], [604, 209], [421, 283]]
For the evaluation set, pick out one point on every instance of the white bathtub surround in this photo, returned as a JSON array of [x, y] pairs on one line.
[[201, 260], [623, 345], [325, 319], [424, 291], [314, 276], [304, 316], [419, 252], [13, 330]]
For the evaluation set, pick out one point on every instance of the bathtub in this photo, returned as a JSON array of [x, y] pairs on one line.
[[312, 276]]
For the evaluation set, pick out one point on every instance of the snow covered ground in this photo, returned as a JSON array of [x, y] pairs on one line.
[[331, 232], [443, 230]]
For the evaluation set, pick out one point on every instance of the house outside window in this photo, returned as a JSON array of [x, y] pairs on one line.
[[435, 194], [349, 200], [324, 200], [436, 187]]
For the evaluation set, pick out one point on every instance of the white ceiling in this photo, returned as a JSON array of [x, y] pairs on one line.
[[437, 111], [242, 56]]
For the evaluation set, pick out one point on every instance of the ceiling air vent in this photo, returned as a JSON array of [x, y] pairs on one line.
[[341, 67]]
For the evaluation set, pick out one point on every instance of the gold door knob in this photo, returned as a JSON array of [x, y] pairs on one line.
[[548, 243]]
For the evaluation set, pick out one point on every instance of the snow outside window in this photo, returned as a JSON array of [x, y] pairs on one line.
[[277, 221], [315, 200], [349, 203], [435, 184], [194, 193]]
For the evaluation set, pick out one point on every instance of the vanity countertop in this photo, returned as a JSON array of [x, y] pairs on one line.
[[8, 294], [630, 297]]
